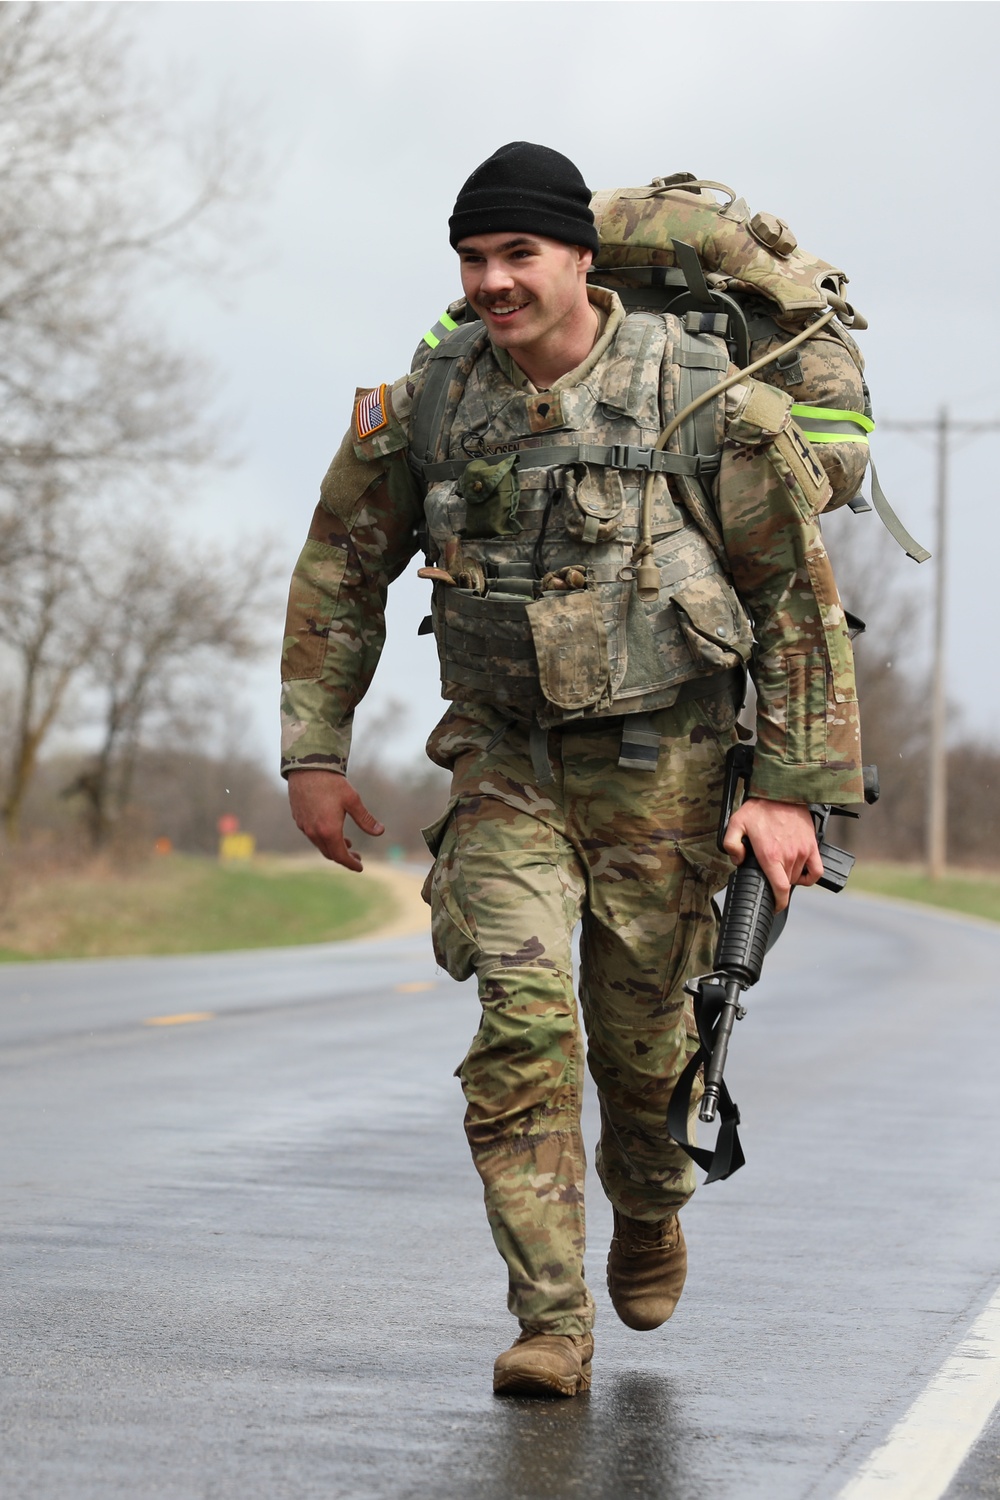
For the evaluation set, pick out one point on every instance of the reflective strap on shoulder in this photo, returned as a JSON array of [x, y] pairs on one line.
[[444, 324], [825, 424]]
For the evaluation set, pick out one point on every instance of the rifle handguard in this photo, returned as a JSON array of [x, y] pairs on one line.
[[746, 922]]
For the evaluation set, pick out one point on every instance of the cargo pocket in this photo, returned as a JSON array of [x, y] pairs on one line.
[[595, 501], [692, 951], [805, 735], [714, 623], [455, 946], [571, 646], [433, 837]]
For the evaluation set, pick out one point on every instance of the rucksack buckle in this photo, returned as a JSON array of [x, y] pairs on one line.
[[629, 456]]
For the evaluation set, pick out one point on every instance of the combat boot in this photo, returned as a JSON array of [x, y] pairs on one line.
[[545, 1364], [647, 1265]]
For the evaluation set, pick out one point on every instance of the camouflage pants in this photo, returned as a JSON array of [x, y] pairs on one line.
[[631, 855]]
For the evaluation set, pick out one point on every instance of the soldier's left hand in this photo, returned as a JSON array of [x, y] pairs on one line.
[[783, 838]]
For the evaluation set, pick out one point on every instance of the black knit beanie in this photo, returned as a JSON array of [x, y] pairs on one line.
[[526, 187]]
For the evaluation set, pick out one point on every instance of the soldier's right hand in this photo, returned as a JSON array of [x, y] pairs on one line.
[[320, 802]]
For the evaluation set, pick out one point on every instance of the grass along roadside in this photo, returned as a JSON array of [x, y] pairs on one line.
[[185, 904], [974, 892]]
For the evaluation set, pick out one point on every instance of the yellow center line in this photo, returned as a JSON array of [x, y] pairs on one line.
[[183, 1018], [414, 986]]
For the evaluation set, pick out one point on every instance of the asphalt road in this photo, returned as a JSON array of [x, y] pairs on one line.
[[245, 1255]]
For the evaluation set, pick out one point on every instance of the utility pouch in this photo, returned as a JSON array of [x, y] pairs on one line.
[[491, 491], [571, 646], [444, 513], [595, 500], [713, 622]]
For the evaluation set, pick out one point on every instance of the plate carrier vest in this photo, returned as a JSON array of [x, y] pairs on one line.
[[531, 532]]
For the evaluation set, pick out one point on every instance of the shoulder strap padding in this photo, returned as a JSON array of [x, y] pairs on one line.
[[701, 362], [435, 394]]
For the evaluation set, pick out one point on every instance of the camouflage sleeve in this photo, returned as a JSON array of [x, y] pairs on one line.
[[770, 493], [362, 536]]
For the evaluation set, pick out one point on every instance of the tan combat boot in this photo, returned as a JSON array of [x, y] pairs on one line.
[[545, 1364], [647, 1265]]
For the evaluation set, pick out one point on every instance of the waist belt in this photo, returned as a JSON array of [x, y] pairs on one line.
[[719, 685], [640, 739]]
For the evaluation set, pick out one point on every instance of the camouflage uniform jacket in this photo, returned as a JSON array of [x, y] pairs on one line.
[[763, 525]]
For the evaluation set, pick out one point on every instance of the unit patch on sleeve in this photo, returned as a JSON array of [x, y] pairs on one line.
[[371, 413]]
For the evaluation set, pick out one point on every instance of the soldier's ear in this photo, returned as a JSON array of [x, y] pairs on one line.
[[585, 257]]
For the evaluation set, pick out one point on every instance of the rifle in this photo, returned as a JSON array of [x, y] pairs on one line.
[[748, 930]]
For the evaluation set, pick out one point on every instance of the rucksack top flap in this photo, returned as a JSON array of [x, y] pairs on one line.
[[637, 227]]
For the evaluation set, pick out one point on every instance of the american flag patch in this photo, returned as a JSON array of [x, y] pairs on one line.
[[370, 414]]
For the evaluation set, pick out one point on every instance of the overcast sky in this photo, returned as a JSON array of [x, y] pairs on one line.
[[871, 128]]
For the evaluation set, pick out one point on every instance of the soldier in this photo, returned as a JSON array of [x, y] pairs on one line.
[[587, 724]]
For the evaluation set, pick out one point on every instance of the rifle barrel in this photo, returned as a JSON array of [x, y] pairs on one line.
[[720, 1049]]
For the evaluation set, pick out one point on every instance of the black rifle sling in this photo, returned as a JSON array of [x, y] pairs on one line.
[[728, 1154]]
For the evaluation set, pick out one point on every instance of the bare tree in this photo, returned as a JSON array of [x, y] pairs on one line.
[[164, 614], [97, 192], [102, 189], [47, 631]]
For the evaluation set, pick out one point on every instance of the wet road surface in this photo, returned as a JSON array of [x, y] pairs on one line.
[[245, 1255]]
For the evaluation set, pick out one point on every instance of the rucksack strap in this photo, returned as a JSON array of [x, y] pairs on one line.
[[701, 368], [892, 523], [431, 407]]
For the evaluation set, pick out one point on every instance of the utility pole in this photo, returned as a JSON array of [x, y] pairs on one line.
[[937, 798]]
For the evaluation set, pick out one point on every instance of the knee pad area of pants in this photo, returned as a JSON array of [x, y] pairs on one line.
[[525, 1054]]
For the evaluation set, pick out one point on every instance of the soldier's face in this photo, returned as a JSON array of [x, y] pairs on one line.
[[527, 289]]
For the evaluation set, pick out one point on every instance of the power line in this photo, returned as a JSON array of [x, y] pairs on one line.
[[946, 429]]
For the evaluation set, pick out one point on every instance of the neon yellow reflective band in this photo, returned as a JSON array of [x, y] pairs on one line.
[[434, 335], [831, 414], [827, 424]]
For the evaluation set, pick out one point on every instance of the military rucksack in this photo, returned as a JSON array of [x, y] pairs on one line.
[[673, 247]]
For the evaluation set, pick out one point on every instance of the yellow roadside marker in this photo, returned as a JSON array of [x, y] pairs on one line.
[[182, 1019], [414, 986]]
